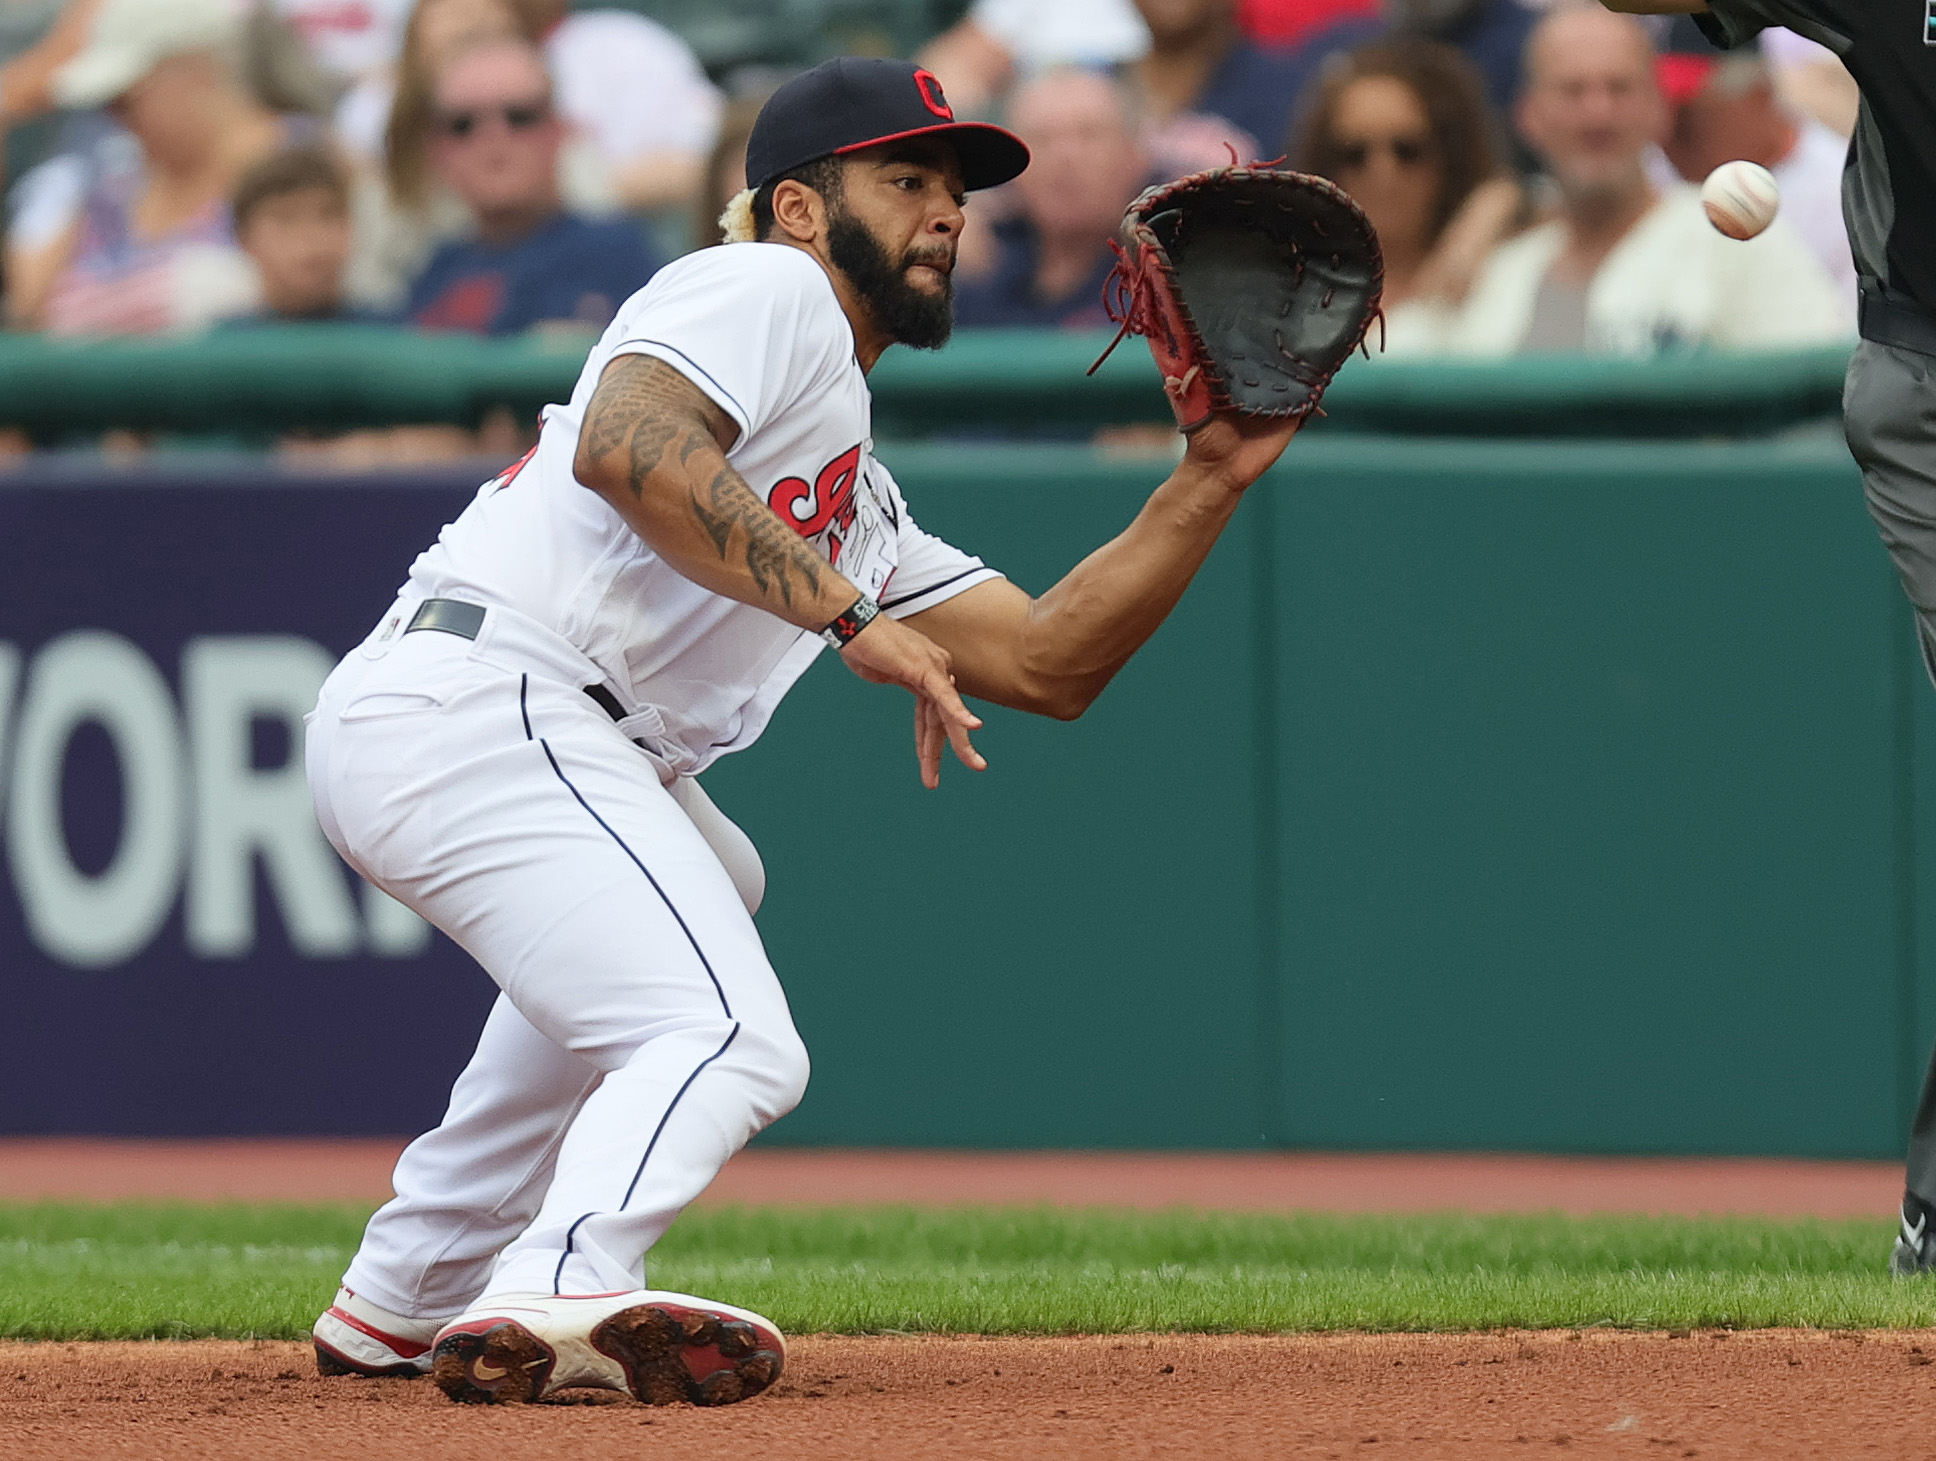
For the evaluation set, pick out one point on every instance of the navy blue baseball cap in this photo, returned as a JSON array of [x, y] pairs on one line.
[[853, 102]]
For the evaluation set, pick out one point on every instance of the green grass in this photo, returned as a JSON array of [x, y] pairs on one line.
[[144, 1271]]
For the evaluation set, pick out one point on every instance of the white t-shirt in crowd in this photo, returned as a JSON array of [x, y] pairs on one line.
[[758, 329], [631, 85], [349, 38], [1785, 50], [1672, 282], [1040, 34], [1810, 179]]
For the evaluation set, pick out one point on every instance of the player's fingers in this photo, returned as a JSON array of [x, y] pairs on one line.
[[948, 704], [957, 720], [965, 751], [937, 733], [928, 741]]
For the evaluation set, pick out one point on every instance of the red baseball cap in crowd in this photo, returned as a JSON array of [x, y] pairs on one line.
[[853, 102], [1682, 76]]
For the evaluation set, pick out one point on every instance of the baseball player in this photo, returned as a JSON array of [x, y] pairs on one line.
[[513, 750]]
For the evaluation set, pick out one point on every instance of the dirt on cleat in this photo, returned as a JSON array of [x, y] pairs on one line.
[[503, 1365], [669, 1357], [330, 1365], [737, 1339]]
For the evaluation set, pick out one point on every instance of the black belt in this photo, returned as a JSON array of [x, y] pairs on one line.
[[454, 616], [1895, 322]]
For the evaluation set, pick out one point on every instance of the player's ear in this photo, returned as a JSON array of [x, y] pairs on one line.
[[799, 212]]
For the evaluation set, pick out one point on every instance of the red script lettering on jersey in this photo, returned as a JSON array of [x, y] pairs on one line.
[[829, 502], [510, 474]]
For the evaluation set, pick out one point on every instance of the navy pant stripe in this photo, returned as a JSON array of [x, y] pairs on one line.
[[659, 1130], [671, 908], [571, 1237]]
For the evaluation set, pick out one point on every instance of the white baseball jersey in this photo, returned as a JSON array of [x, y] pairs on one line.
[[757, 328], [473, 782]]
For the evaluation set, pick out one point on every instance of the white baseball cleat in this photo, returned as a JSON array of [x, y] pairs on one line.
[[661, 1348], [355, 1337]]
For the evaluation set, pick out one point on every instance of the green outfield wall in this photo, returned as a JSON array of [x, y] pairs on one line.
[[252, 383], [1542, 761], [1565, 796]]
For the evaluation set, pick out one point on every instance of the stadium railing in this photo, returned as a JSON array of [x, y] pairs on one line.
[[986, 384]]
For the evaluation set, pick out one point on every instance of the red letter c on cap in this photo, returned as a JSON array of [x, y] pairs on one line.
[[931, 96]]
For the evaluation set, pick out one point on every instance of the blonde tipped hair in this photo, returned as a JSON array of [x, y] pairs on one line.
[[736, 223]]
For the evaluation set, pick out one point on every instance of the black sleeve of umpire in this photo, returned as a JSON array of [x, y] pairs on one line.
[[1731, 23]]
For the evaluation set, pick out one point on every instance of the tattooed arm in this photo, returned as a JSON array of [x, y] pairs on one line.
[[654, 446]]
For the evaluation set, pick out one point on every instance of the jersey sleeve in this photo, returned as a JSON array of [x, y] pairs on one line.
[[928, 570], [751, 325], [1730, 23]]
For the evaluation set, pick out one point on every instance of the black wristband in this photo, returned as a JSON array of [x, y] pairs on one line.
[[841, 632]]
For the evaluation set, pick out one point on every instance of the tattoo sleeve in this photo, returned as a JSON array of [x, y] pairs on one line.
[[774, 554], [643, 430]]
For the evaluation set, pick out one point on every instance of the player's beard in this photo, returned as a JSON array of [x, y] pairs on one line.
[[912, 316]]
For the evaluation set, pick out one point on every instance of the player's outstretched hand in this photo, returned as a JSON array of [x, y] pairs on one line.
[[1238, 449], [887, 652]]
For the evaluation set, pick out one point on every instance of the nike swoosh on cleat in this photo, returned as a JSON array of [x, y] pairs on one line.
[[1914, 1236], [484, 1370]]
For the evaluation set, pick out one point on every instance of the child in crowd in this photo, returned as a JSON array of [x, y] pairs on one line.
[[292, 218], [134, 236]]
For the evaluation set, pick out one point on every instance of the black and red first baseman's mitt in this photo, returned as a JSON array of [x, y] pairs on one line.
[[1252, 285]]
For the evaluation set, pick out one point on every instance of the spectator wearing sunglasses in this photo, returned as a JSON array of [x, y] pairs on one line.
[[1405, 127], [495, 142], [1627, 267], [387, 124]]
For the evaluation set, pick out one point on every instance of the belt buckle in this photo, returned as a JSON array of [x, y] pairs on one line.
[[448, 616]]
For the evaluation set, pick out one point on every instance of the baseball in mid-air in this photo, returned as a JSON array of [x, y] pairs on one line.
[[1741, 198]]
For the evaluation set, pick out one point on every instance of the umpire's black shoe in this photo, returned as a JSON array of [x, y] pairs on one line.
[[1915, 1250]]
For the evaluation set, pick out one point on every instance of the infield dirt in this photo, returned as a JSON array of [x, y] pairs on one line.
[[1760, 1394]]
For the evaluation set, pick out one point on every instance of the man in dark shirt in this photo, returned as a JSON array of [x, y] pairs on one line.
[[1200, 61], [1889, 408], [496, 143], [1087, 165]]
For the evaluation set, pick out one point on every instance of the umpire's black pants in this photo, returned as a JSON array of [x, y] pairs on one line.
[[1889, 411]]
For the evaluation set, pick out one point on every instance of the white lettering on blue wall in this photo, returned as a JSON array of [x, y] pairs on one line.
[[198, 815]]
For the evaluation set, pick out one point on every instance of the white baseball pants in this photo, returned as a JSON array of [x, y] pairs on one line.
[[640, 1037]]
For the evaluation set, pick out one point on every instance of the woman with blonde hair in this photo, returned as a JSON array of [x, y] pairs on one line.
[[1405, 127]]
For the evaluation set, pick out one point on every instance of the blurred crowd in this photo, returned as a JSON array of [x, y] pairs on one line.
[[499, 166], [1532, 169]]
